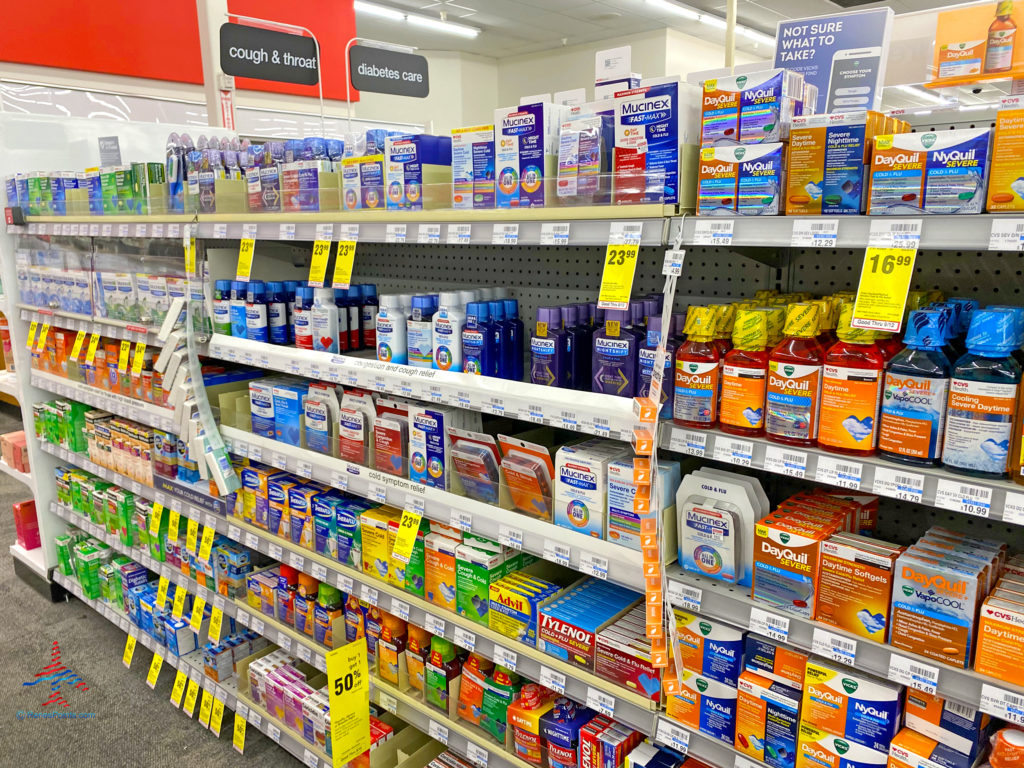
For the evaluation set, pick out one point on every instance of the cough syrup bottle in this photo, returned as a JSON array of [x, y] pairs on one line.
[[645, 363], [513, 341], [277, 313], [478, 340], [983, 398], [447, 331], [236, 309], [390, 330], [1000, 40], [915, 393], [222, 307], [256, 312], [575, 350], [793, 395], [697, 372], [341, 303], [549, 365], [745, 375], [851, 387], [615, 355]]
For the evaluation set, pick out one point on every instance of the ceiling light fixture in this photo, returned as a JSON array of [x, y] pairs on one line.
[[378, 10], [426, 22], [757, 37], [712, 21], [678, 10]]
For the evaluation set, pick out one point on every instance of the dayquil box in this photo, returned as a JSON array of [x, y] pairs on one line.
[[1000, 652], [704, 705], [710, 648], [859, 708], [747, 180], [1006, 177], [767, 720], [786, 565], [376, 552], [820, 749]]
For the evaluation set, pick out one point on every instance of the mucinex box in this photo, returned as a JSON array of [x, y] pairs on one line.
[[525, 153], [581, 485], [747, 180], [585, 143], [473, 167], [429, 445], [861, 709], [933, 172], [417, 170], [647, 143]]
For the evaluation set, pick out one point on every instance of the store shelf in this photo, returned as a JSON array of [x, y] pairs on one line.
[[939, 232], [733, 605], [9, 384], [922, 485], [290, 741], [25, 477], [33, 558], [183, 497], [589, 225], [617, 563], [129, 407], [73, 321], [594, 413]]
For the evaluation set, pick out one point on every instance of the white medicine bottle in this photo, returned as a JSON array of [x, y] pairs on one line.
[[392, 341], [324, 320], [448, 322]]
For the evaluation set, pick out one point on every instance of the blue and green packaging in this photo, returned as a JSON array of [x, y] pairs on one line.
[[418, 171], [473, 167]]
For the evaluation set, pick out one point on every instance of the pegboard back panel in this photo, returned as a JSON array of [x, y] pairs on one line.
[[991, 277]]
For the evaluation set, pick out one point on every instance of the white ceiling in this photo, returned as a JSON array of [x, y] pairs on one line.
[[515, 27]]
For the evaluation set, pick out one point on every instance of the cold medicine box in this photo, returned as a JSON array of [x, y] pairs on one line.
[[526, 154], [754, 108], [934, 172], [418, 172], [581, 485], [748, 180]]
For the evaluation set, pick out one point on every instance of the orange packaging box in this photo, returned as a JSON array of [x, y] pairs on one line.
[[820, 749], [978, 42], [786, 566], [1006, 173], [767, 719], [855, 589], [1000, 652]]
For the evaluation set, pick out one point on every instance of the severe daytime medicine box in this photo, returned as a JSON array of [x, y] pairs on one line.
[[748, 180]]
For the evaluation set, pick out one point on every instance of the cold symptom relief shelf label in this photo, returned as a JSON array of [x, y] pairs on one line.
[[505, 234], [833, 646], [459, 234], [913, 673], [619, 265], [1002, 704], [672, 735], [348, 683], [713, 232], [899, 484], [814, 233], [684, 596], [740, 452], [785, 461], [769, 624]]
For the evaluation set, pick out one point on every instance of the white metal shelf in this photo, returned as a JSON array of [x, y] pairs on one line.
[[33, 558], [183, 497], [122, 405], [732, 605], [25, 477], [620, 564], [922, 485], [73, 321], [9, 384], [594, 413]]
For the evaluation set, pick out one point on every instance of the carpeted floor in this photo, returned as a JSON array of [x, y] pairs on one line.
[[133, 725]]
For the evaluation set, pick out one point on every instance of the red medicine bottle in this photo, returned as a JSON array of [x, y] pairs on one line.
[[793, 397]]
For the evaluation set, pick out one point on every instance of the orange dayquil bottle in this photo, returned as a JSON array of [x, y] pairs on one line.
[[851, 389], [695, 403], [793, 396], [745, 374]]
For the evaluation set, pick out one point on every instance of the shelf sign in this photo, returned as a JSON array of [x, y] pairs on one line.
[[619, 265], [348, 683], [266, 54], [380, 70], [343, 263]]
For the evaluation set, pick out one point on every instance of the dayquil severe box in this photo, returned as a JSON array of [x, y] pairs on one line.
[[1006, 175], [747, 180]]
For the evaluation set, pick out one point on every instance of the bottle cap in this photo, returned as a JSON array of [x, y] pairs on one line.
[[993, 332], [511, 308], [654, 325], [329, 595], [477, 312], [1018, 314], [466, 296], [304, 292], [496, 310], [287, 576], [423, 303], [323, 295], [924, 330], [679, 323], [223, 286], [846, 332], [256, 287], [636, 313], [827, 314], [700, 323], [802, 320], [451, 300], [620, 316], [650, 308], [550, 315], [947, 319], [239, 287], [725, 316], [368, 290], [964, 309], [308, 586], [569, 316], [750, 330], [275, 287], [390, 301]]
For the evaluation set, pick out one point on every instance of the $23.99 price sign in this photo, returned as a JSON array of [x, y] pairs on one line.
[[617, 278]]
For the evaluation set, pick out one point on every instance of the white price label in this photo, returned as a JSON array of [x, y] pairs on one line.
[[220, 230], [461, 520], [429, 234], [348, 233], [505, 657], [242, 618], [433, 625], [963, 497], [274, 733], [304, 653], [276, 552], [252, 541], [465, 639], [672, 735], [556, 552], [255, 452], [379, 493], [296, 561], [304, 469], [258, 626], [369, 594], [1007, 234], [713, 232], [477, 755], [785, 461], [554, 233], [279, 461], [684, 596], [839, 472], [158, 230], [769, 624], [899, 484], [692, 442], [389, 702], [510, 537], [1003, 704], [505, 234], [284, 641], [123, 230], [345, 584], [140, 230], [319, 572], [812, 232], [915, 674], [438, 732], [256, 719], [894, 233], [400, 609], [339, 480], [395, 233], [1013, 509], [739, 452], [310, 759], [601, 701], [593, 565], [320, 663], [459, 234], [286, 232], [673, 264], [833, 646], [553, 680]]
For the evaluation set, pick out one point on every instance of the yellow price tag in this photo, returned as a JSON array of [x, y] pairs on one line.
[[204, 709], [617, 278], [192, 535], [173, 522], [343, 262], [41, 341], [246, 248], [179, 602], [139, 358], [206, 547], [129, 651], [154, 519], [122, 358], [408, 528], [318, 262], [216, 717], [154, 670], [190, 698], [161, 592], [90, 354], [882, 292], [190, 257], [348, 684], [238, 736], [198, 607], [31, 335], [216, 617], [76, 350], [179, 688]]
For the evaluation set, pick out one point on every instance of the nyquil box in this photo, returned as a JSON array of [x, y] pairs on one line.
[[526, 152]]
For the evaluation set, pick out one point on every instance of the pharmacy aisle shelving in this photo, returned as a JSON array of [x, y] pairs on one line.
[[24, 477], [33, 558], [992, 499], [72, 321], [9, 384], [121, 405]]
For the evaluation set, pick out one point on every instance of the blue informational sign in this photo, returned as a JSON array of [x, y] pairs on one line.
[[843, 55]]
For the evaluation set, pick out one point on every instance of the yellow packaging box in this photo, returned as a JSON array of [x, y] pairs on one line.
[[376, 544], [1006, 174]]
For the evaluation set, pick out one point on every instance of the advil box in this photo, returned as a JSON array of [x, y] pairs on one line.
[[858, 708], [820, 749]]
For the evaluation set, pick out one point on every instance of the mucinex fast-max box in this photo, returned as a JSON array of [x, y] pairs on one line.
[[647, 143], [933, 172], [417, 171], [525, 153], [747, 180], [861, 709]]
